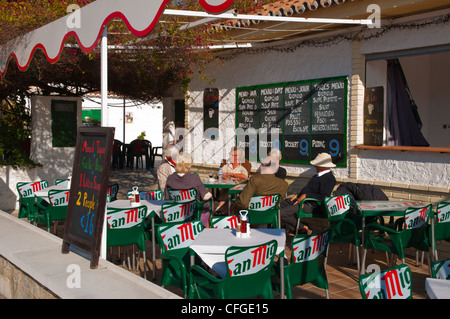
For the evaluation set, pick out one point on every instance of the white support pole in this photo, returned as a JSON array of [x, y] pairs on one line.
[[201, 14], [104, 76]]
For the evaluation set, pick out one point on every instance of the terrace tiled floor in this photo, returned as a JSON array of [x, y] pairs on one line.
[[342, 278]]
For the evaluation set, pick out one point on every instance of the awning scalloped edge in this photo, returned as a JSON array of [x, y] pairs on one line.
[[86, 25]]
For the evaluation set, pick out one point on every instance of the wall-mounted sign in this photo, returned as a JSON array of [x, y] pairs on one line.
[[302, 119], [211, 113], [374, 116]]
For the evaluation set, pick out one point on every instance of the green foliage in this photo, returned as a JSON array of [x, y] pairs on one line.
[[142, 136], [15, 132]]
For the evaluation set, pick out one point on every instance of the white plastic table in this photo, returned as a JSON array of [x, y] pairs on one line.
[[211, 245], [437, 288]]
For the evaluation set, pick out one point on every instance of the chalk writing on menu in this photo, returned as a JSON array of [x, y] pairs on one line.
[[310, 117], [87, 199], [88, 184]]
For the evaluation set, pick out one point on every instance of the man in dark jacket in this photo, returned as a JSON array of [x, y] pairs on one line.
[[318, 187]]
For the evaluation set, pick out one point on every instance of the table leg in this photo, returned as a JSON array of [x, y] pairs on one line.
[[153, 249], [433, 256], [281, 256], [363, 262]]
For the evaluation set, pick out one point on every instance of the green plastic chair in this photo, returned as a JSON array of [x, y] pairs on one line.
[[394, 283], [248, 274], [188, 195], [301, 213], [174, 240], [440, 269], [126, 227], [409, 231], [307, 263], [263, 209], [224, 222], [26, 192], [53, 210], [113, 190], [441, 221], [342, 229]]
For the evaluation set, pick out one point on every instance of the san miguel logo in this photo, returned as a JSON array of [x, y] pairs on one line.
[[309, 248], [392, 284], [263, 202], [30, 188], [178, 236], [338, 205], [179, 212], [228, 222], [125, 218], [250, 260], [183, 195], [415, 218], [444, 214]]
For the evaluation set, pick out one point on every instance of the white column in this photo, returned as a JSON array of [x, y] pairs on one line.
[[104, 76]]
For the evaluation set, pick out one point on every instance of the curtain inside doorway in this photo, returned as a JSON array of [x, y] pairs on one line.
[[403, 118]]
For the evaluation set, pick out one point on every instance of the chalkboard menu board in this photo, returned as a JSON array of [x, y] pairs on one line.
[[302, 119], [374, 116], [87, 201]]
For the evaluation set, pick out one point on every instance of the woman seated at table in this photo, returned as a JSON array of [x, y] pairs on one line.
[[234, 170], [183, 179]]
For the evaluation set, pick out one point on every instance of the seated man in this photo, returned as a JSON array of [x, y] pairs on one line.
[[318, 187], [265, 183]]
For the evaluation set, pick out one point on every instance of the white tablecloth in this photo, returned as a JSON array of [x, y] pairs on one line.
[[211, 244], [437, 288]]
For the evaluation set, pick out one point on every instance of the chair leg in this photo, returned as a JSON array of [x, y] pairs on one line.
[[145, 262], [357, 260], [327, 294], [363, 262]]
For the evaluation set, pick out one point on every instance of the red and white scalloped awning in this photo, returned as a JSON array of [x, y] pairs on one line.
[[87, 23]]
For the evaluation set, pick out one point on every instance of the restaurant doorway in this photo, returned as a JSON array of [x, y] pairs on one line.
[[427, 74]]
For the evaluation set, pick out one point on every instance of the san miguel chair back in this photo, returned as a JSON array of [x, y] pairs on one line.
[[126, 227], [224, 222], [174, 240], [441, 225], [263, 209], [394, 283], [411, 231], [342, 229], [248, 274], [179, 212], [188, 195], [307, 263], [26, 192], [156, 194], [440, 269], [182, 195], [54, 210]]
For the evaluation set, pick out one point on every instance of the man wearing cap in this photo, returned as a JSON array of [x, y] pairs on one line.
[[318, 187]]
